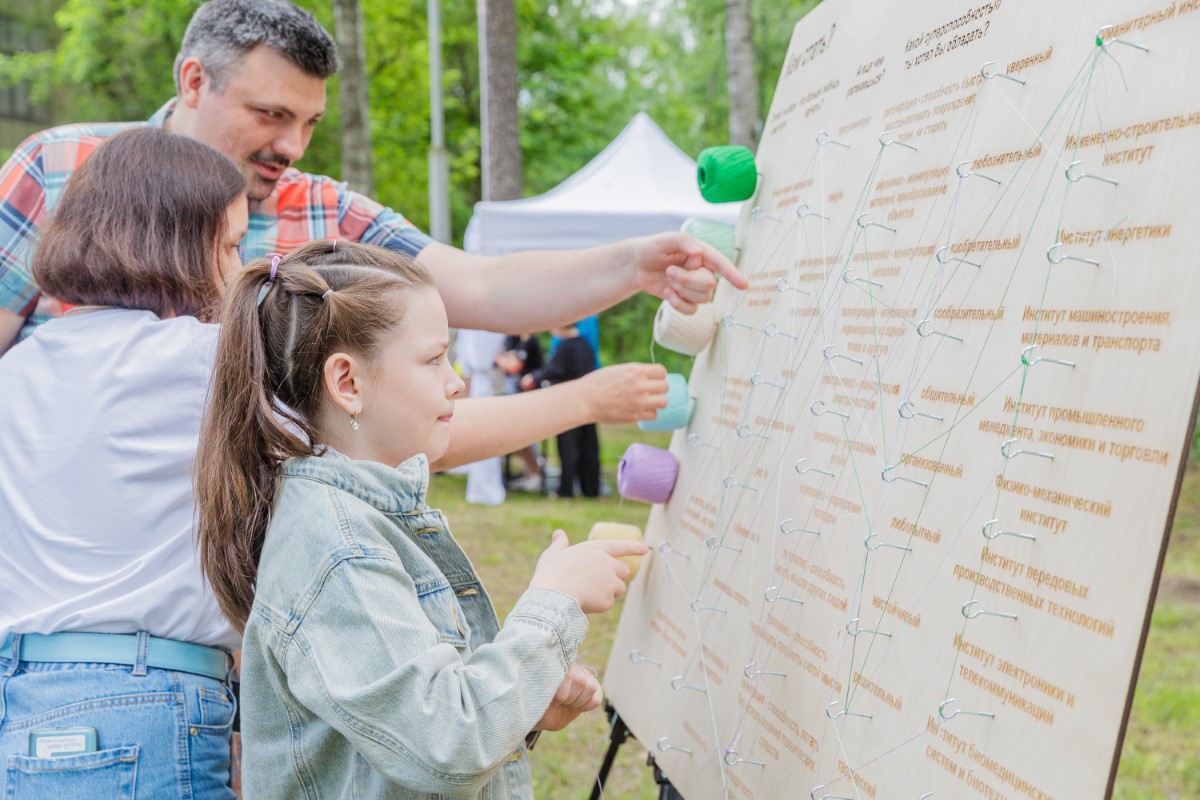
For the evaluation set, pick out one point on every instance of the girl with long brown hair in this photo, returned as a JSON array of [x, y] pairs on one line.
[[372, 663], [115, 658]]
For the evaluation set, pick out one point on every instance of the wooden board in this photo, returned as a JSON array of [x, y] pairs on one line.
[[946, 542]]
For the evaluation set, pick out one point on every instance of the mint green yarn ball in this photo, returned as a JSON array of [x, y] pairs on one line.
[[680, 406], [717, 234], [726, 174]]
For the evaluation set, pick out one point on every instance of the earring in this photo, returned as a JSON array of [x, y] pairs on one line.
[[354, 421]]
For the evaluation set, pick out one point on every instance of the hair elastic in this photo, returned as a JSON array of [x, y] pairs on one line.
[[266, 287], [333, 247], [327, 293]]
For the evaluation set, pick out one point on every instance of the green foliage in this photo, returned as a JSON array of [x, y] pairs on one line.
[[571, 101], [687, 51], [114, 57]]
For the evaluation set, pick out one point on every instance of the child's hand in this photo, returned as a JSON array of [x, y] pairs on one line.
[[579, 692], [625, 392], [589, 571]]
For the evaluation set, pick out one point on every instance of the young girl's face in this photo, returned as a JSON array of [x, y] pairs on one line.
[[229, 263], [409, 397]]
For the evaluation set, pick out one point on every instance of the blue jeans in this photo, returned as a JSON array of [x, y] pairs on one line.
[[159, 733]]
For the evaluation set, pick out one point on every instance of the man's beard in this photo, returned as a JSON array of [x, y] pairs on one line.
[[258, 187]]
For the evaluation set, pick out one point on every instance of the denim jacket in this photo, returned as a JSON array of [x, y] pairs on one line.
[[373, 665]]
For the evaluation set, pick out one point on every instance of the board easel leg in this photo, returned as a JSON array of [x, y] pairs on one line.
[[617, 734], [666, 791]]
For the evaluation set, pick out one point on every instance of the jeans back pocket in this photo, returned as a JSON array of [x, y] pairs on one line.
[[216, 709], [103, 775]]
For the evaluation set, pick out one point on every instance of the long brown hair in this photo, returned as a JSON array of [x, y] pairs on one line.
[[267, 388], [139, 224]]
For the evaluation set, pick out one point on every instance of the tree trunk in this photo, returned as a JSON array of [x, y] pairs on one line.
[[743, 86], [501, 157], [356, 119]]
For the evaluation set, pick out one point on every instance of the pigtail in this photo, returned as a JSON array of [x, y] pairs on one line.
[[243, 440]]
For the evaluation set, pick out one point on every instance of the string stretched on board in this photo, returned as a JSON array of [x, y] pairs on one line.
[[922, 502]]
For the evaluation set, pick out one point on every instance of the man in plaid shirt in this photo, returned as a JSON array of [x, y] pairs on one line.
[[250, 80]]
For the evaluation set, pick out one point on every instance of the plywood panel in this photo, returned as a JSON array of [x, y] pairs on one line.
[[887, 496]]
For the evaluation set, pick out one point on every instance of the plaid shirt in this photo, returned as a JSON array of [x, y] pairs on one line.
[[302, 208]]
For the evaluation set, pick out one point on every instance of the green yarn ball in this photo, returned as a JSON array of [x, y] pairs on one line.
[[726, 174], [717, 234]]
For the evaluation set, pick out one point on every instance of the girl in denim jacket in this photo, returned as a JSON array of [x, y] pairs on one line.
[[373, 664]]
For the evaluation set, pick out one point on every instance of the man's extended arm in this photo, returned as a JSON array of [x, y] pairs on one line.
[[539, 289]]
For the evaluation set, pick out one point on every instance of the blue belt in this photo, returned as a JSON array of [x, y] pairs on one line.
[[121, 648]]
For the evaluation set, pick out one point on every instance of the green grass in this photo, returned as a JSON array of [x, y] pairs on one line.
[[1161, 754]]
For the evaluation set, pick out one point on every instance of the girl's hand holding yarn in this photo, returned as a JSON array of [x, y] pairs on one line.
[[590, 572]]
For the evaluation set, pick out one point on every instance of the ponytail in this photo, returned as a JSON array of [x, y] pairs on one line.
[[280, 321], [242, 441]]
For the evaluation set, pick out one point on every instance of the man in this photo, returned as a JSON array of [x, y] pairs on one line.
[[250, 80]]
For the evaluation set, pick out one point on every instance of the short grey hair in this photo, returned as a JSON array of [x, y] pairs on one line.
[[222, 31]]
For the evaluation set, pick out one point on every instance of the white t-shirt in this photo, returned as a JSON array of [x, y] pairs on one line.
[[99, 422]]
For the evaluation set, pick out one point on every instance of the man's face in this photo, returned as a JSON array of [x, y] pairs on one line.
[[263, 118]]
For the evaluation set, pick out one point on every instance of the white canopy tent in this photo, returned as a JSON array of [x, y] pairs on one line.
[[640, 184]]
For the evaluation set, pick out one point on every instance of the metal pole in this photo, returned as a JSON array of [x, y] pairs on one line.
[[439, 159], [618, 733]]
